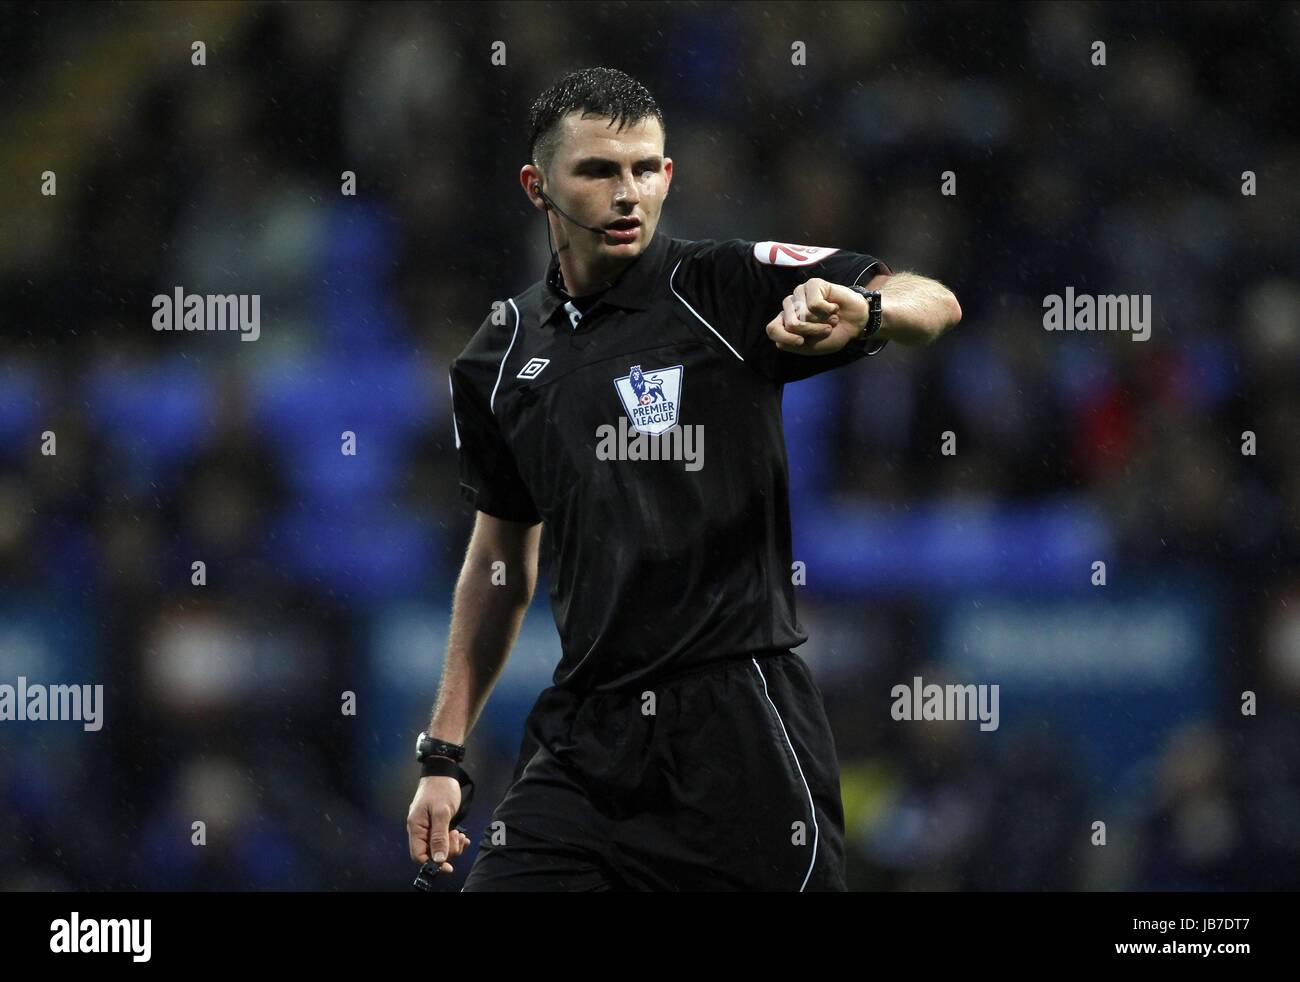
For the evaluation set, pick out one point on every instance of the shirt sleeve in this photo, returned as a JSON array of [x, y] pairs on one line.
[[736, 288], [489, 475]]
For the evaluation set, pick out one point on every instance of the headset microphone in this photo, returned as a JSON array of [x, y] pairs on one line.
[[537, 188]]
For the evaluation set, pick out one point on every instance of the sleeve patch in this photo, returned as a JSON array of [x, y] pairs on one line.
[[786, 254]]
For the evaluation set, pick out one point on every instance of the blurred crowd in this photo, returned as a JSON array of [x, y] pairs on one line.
[[224, 699]]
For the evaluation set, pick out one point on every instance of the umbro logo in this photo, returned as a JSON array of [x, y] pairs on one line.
[[533, 368]]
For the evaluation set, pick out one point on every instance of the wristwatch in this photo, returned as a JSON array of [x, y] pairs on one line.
[[426, 746], [438, 758], [872, 326]]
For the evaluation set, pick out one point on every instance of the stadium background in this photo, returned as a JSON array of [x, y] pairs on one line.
[[329, 573]]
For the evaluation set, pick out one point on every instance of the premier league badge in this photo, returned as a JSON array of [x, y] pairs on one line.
[[651, 398]]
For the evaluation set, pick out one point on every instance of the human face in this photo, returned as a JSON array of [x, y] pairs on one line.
[[604, 178]]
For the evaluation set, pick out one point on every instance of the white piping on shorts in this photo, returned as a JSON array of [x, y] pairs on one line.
[[812, 808]]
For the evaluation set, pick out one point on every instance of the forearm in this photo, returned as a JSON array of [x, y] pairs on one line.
[[915, 310], [485, 622]]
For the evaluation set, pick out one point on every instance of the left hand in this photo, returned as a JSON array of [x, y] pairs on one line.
[[818, 318], [427, 822]]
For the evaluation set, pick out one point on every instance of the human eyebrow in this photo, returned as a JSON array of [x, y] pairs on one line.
[[599, 162]]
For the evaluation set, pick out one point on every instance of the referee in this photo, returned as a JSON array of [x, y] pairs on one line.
[[683, 745]]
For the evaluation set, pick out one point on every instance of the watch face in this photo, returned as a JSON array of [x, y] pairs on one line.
[[428, 745]]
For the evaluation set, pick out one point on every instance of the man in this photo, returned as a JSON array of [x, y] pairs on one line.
[[683, 746]]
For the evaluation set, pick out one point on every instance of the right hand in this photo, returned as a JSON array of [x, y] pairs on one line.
[[436, 801]]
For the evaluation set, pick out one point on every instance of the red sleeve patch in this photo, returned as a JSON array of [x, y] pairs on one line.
[[787, 254]]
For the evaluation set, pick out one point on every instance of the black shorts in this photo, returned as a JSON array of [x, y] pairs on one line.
[[723, 777]]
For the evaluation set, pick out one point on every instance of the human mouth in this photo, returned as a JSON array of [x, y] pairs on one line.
[[623, 230]]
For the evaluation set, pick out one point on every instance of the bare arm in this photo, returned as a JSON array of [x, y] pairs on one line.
[[487, 611], [820, 317], [915, 309]]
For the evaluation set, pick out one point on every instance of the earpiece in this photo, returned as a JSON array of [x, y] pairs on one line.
[[548, 204]]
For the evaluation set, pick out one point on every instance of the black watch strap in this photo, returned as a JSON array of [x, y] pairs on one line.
[[864, 342], [427, 746]]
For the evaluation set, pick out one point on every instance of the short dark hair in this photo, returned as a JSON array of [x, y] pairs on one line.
[[594, 91]]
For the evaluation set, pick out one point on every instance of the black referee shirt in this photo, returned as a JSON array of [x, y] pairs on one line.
[[655, 564]]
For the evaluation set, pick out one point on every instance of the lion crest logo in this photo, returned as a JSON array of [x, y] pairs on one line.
[[651, 399]]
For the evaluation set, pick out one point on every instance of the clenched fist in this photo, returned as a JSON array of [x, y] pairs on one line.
[[818, 318]]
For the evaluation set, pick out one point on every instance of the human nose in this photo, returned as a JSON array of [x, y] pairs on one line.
[[626, 193]]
